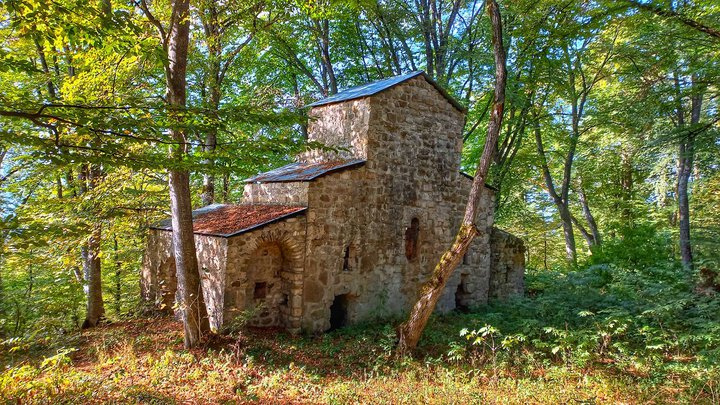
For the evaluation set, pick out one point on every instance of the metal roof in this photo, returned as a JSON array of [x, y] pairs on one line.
[[373, 88], [301, 171], [490, 186], [231, 220]]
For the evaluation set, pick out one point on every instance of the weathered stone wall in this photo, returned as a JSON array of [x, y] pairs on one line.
[[342, 125], [273, 255], [157, 275], [413, 156], [290, 193], [507, 269], [159, 281], [212, 255], [371, 235]]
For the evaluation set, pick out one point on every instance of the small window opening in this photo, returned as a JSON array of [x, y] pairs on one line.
[[285, 299], [346, 259], [465, 259], [338, 312], [260, 291], [411, 239]]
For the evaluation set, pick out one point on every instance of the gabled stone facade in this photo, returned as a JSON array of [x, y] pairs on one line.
[[378, 213]]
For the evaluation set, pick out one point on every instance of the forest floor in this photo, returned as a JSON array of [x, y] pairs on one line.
[[143, 361]]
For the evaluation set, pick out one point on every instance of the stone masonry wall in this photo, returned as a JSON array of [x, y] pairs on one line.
[[507, 269], [413, 157], [264, 274], [290, 193], [341, 125], [158, 277]]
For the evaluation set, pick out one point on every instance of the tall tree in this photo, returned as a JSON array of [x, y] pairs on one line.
[[175, 38], [409, 332]]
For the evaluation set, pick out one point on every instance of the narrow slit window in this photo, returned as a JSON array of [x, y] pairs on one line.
[[411, 239], [346, 259]]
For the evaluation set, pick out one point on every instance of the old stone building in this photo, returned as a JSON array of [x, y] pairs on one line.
[[345, 235]]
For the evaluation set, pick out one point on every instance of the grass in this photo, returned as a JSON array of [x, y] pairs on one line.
[[142, 361], [601, 334]]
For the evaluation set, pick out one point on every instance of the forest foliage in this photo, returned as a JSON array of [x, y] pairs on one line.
[[607, 162]]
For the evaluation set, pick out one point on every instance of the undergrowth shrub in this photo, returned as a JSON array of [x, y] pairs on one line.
[[636, 315]]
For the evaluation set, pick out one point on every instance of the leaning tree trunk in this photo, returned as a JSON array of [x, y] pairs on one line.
[[189, 294], [409, 332]]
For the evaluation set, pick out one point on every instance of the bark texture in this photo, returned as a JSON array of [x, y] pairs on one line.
[[189, 295], [409, 332], [92, 273], [90, 175], [686, 161]]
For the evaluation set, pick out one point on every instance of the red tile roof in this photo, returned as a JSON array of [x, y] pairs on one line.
[[231, 220]]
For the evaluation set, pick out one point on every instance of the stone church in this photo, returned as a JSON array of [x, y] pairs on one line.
[[348, 233]]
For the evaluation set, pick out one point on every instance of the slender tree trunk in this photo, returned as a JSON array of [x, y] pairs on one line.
[[118, 279], [214, 94], [324, 32], [566, 218], [226, 188], [88, 178], [686, 157], [684, 210], [189, 295], [409, 332], [563, 210], [92, 273], [208, 192], [626, 183], [589, 217]]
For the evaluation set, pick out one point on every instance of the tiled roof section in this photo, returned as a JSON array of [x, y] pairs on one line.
[[301, 171], [373, 88], [230, 220]]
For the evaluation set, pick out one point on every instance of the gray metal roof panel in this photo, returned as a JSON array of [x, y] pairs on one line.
[[301, 171], [373, 88]]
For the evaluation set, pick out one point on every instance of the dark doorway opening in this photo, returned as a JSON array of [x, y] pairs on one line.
[[338, 312]]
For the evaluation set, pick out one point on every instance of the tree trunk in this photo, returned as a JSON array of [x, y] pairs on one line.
[[563, 210], [92, 273], [208, 191], [686, 158], [568, 233], [589, 217], [88, 177], [684, 210], [214, 94], [226, 188], [626, 182], [409, 332], [189, 296], [118, 279]]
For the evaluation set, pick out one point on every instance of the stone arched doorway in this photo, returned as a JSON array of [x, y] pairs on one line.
[[269, 288]]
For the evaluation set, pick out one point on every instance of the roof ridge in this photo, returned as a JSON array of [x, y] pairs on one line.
[[378, 86]]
